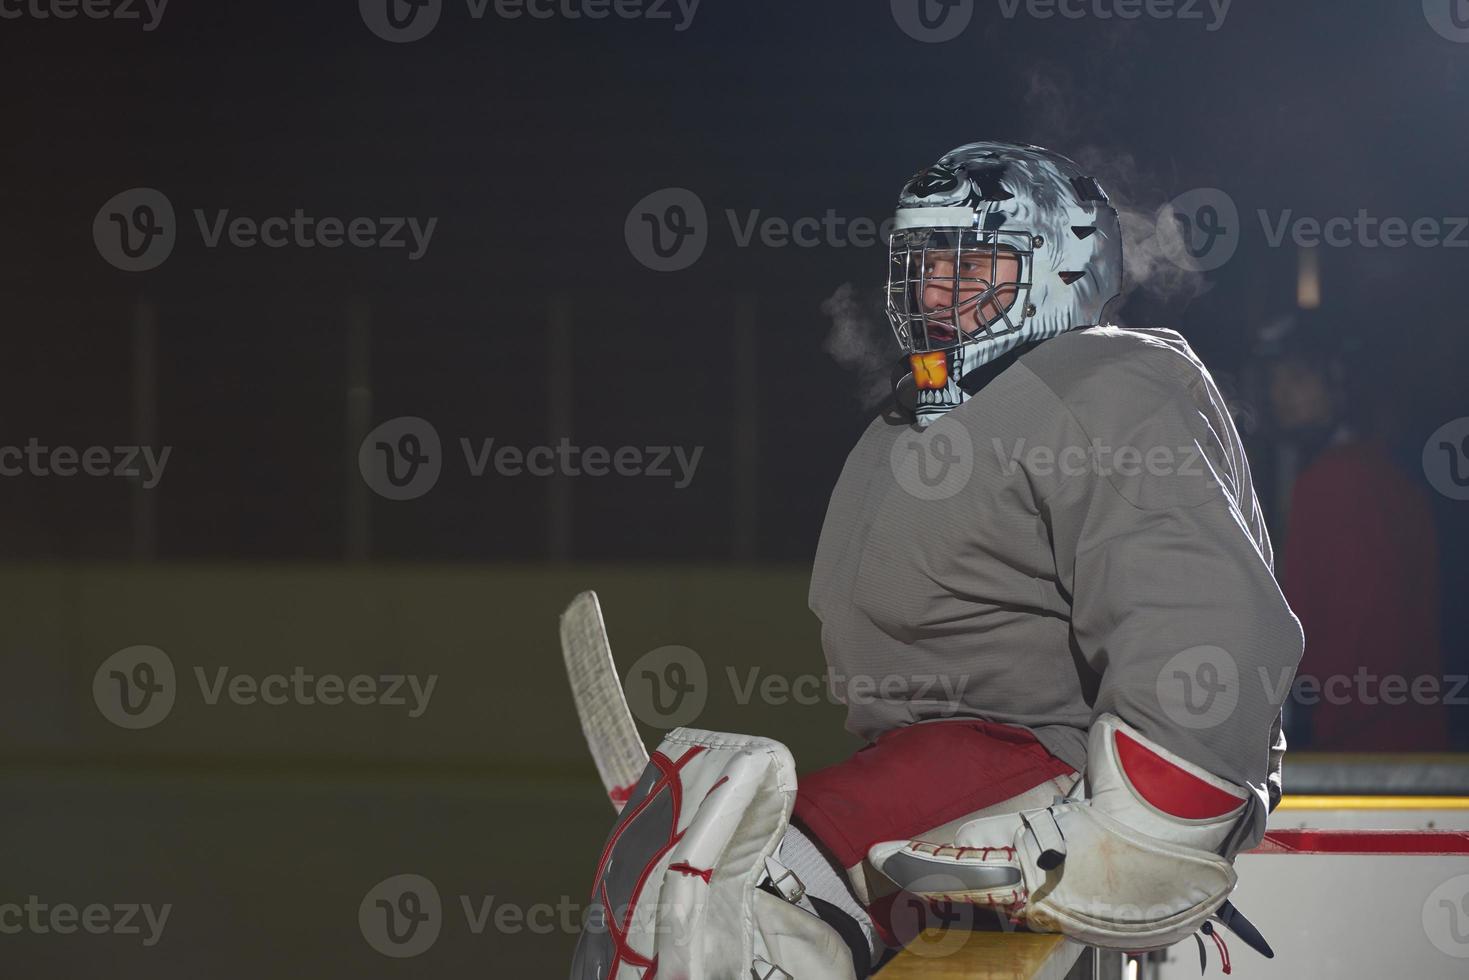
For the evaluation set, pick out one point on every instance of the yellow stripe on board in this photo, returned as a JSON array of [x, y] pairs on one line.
[[1374, 803], [958, 955]]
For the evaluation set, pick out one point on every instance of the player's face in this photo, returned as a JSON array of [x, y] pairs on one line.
[[964, 282]]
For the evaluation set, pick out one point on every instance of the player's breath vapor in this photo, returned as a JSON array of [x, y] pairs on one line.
[[1145, 264], [861, 342], [1070, 118]]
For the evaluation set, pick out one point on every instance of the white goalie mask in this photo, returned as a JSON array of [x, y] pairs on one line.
[[994, 246]]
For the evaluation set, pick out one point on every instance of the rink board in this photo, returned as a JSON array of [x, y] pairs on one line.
[[1353, 903], [1343, 887]]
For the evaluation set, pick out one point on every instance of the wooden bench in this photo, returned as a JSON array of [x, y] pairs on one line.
[[958, 955]]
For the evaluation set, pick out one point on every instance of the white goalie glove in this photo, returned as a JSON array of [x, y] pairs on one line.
[[690, 885], [1139, 864]]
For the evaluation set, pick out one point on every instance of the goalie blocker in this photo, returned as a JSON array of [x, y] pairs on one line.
[[1143, 862], [689, 884]]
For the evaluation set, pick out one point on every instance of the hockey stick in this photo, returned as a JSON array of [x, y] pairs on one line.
[[606, 721]]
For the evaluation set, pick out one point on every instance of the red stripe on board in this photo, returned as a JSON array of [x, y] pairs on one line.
[[1364, 842]]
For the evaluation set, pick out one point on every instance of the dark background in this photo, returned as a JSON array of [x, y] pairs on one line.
[[530, 141]]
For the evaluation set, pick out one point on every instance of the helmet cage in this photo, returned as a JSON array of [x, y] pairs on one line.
[[966, 319]]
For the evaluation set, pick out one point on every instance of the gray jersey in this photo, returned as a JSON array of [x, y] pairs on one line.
[[1081, 536]]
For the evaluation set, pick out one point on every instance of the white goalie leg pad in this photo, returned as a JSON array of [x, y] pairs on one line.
[[1140, 866], [678, 889], [1135, 866]]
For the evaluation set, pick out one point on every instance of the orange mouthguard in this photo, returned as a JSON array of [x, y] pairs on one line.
[[930, 371]]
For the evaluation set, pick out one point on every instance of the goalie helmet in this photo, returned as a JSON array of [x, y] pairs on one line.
[[994, 246]]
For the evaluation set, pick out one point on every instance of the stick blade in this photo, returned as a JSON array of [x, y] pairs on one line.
[[606, 721]]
